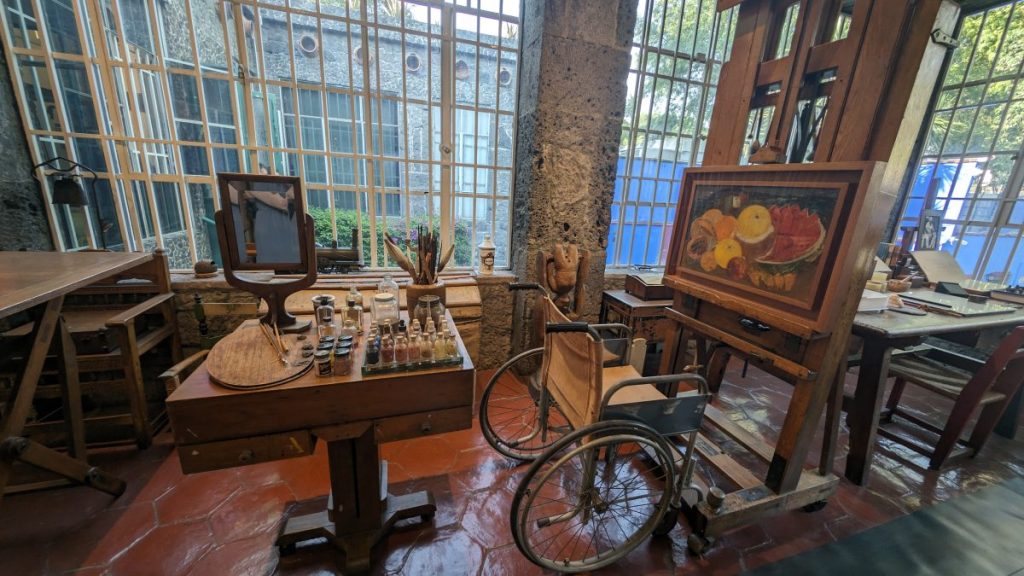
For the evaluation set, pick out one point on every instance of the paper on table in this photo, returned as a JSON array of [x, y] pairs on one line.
[[871, 301]]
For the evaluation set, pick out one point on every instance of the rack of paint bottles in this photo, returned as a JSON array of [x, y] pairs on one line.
[[402, 347]]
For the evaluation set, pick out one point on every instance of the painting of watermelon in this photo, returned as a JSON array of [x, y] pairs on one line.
[[763, 237]]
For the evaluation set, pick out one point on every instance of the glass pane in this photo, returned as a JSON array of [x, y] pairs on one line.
[[204, 229], [206, 20], [61, 26], [74, 83], [38, 91]]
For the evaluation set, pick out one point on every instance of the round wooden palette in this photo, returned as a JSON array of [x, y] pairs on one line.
[[245, 360]]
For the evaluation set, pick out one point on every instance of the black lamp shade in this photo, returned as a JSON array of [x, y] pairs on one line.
[[69, 191]]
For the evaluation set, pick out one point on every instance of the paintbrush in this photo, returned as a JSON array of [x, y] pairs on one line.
[[283, 348], [266, 334]]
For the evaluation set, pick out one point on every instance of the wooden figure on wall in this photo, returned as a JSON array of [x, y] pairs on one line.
[[563, 272]]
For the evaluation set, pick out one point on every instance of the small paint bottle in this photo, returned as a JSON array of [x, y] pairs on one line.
[[401, 350], [342, 361], [387, 351], [322, 358]]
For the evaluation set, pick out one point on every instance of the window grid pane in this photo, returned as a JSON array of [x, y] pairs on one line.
[[151, 96], [677, 56], [970, 167]]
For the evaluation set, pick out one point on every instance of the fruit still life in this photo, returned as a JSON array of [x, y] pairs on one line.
[[762, 237]]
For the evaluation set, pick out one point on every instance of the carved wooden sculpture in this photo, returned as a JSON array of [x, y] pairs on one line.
[[563, 271]]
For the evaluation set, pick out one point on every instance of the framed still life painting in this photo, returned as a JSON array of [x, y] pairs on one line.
[[776, 241]]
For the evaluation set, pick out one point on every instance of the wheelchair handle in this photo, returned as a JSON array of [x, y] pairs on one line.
[[552, 327], [513, 286]]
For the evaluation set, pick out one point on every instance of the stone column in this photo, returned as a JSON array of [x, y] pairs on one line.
[[23, 223], [572, 92]]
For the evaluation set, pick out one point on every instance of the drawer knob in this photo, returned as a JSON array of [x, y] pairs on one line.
[[246, 456], [751, 325], [426, 427]]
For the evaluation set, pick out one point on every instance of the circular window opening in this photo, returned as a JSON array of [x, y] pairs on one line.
[[359, 56], [308, 45], [461, 70], [504, 77], [412, 62]]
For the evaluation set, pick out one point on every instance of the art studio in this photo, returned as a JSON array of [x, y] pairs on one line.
[[511, 287]]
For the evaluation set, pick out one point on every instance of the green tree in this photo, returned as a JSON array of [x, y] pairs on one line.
[[674, 39]]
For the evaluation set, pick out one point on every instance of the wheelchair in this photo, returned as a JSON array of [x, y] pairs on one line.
[[604, 473]]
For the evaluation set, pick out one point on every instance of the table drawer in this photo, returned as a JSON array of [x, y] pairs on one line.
[[423, 424], [244, 451]]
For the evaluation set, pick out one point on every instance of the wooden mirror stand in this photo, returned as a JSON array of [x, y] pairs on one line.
[[237, 258]]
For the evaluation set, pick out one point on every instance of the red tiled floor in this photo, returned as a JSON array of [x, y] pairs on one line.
[[224, 522]]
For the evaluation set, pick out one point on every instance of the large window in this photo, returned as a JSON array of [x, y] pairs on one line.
[[678, 50], [394, 113], [971, 166]]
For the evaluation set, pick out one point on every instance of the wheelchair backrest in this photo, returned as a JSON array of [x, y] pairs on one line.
[[572, 370]]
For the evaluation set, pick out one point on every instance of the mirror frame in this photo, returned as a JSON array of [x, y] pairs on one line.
[[224, 180]]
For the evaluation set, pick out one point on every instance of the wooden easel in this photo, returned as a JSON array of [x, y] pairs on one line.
[[805, 347]]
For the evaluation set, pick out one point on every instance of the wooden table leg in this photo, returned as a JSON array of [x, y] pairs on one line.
[[360, 512], [866, 408], [14, 420], [14, 448], [71, 392]]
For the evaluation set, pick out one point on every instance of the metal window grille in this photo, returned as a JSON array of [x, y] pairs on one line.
[[157, 96], [971, 164], [678, 50]]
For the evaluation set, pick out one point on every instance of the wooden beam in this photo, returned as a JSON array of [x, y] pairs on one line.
[[728, 126]]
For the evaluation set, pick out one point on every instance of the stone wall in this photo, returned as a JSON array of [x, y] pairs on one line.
[[572, 90], [23, 223]]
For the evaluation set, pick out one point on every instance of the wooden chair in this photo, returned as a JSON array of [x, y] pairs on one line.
[[115, 323], [969, 383]]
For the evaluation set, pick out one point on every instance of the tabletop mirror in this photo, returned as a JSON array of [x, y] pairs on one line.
[[266, 238]]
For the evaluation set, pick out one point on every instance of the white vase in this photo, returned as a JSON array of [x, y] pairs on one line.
[[486, 251]]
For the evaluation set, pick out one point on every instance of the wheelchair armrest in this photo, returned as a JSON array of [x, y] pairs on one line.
[[623, 331], [702, 385]]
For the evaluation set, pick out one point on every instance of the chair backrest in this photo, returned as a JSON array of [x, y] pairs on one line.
[[1004, 370], [572, 370]]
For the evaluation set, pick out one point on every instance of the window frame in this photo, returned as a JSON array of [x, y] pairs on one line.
[[139, 125]]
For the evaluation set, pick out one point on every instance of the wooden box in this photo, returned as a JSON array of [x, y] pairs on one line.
[[776, 243], [648, 287]]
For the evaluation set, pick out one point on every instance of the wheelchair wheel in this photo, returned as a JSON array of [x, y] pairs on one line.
[[512, 417], [593, 496]]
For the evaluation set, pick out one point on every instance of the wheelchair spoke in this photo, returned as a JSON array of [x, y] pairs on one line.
[[586, 506], [513, 416]]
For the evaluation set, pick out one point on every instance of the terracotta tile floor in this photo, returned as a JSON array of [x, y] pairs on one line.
[[224, 523]]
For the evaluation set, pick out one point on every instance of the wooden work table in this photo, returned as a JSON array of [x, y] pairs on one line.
[[215, 428], [37, 282], [882, 333]]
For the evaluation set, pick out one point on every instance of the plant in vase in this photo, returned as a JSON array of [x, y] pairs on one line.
[[420, 258]]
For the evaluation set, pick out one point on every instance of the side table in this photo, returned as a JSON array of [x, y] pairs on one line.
[[642, 316]]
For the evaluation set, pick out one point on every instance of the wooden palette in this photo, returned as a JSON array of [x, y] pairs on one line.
[[245, 360]]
